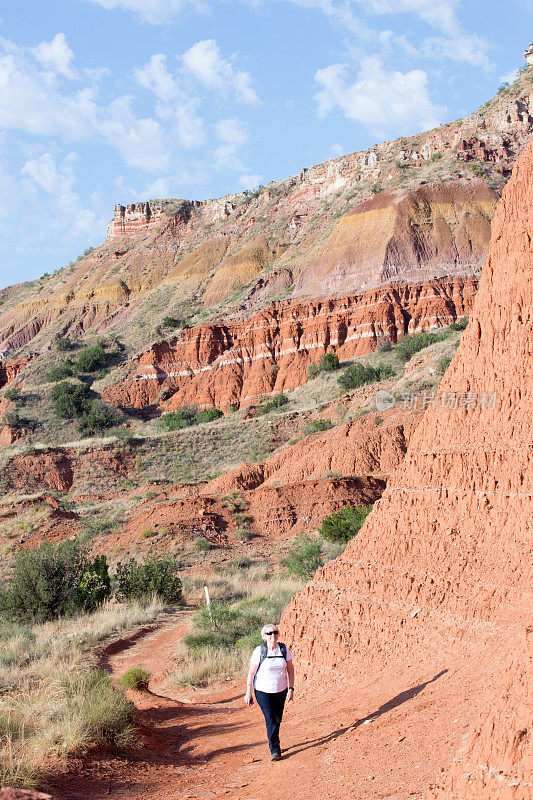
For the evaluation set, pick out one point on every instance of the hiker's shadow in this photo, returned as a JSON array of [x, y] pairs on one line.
[[403, 697]]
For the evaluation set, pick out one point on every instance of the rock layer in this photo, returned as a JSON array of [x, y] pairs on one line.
[[236, 362], [444, 563]]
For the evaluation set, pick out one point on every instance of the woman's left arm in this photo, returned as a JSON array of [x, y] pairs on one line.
[[290, 676]]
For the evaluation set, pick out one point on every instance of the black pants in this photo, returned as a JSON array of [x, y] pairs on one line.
[[272, 707]]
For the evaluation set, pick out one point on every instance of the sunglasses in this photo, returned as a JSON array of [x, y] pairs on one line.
[[272, 633]]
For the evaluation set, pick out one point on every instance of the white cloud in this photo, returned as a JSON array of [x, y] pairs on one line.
[[336, 150], [34, 101], [156, 77], [205, 62], [56, 55], [232, 132], [67, 215], [456, 43], [190, 126], [379, 99], [509, 77], [249, 181], [155, 12]]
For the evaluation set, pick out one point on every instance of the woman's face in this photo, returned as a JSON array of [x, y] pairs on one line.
[[271, 636]]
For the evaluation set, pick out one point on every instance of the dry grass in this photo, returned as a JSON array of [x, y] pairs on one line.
[[244, 596], [54, 702]]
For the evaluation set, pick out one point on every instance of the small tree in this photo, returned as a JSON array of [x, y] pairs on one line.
[[92, 359], [343, 525], [171, 322], [182, 417], [13, 394], [305, 557], [71, 400], [156, 576], [329, 362], [64, 343], [357, 375], [208, 415], [45, 582], [101, 415]]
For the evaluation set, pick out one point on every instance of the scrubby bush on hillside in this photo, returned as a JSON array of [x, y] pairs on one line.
[[266, 406], [305, 557], [459, 324], [409, 345], [343, 525], [71, 400], [13, 419], [64, 343], [329, 362], [64, 370], [13, 394], [183, 417], [357, 375], [92, 359], [171, 322], [443, 364], [100, 416], [317, 425], [208, 415], [156, 576], [51, 581]]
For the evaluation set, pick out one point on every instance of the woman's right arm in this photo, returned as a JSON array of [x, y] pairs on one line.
[[248, 697]]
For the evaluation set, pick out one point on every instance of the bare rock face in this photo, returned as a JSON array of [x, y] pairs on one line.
[[234, 363], [444, 564], [7, 793], [435, 230]]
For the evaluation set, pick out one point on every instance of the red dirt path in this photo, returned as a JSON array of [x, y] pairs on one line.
[[362, 742]]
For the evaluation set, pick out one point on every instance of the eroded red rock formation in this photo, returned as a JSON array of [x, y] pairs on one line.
[[443, 568], [236, 362]]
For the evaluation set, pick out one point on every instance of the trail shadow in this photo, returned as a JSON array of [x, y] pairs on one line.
[[121, 645], [396, 701]]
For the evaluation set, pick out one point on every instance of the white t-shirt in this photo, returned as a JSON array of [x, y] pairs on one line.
[[272, 674]]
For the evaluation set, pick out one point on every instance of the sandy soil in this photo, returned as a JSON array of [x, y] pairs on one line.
[[358, 741]]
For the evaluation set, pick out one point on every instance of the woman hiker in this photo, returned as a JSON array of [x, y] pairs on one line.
[[271, 674]]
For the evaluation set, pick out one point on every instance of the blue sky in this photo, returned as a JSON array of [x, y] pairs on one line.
[[105, 101]]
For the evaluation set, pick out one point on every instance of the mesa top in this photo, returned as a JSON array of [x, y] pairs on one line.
[[271, 676]]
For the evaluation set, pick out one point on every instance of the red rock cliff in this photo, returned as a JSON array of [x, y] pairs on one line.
[[218, 365], [442, 572]]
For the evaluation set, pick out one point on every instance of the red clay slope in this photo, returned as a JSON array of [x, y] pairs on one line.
[[442, 572]]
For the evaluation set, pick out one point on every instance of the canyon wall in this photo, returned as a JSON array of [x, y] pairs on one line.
[[443, 568], [236, 362]]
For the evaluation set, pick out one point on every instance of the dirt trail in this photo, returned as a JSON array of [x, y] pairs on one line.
[[338, 742]]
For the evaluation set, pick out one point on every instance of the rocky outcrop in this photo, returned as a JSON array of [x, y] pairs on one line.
[[444, 564], [235, 363], [11, 370], [434, 230]]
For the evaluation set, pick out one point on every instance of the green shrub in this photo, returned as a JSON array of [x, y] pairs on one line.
[[278, 401], [13, 394], [156, 576], [208, 415], [13, 419], [171, 322], [52, 581], [202, 544], [305, 557], [64, 343], [71, 400], [183, 417], [95, 584], [443, 364], [329, 362], [409, 345], [357, 375], [312, 371], [135, 678], [317, 425], [343, 525], [92, 359], [64, 370], [101, 415], [244, 534], [459, 324]]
